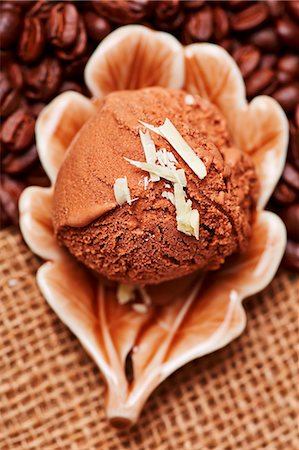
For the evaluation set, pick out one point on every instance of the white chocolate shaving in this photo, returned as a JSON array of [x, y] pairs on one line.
[[125, 293], [189, 100], [175, 176], [140, 308], [149, 151], [151, 127], [187, 218], [146, 182], [122, 191], [175, 139], [169, 196]]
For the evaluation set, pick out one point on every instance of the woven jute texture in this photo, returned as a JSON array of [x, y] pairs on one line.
[[52, 394]]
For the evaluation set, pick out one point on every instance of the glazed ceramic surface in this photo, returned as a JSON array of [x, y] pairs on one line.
[[136, 351]]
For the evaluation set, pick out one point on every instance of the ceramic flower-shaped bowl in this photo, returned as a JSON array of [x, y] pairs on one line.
[[135, 351]]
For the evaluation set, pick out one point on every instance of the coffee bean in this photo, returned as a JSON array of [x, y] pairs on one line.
[[268, 61], [124, 11], [32, 40], [272, 87], [221, 23], [247, 58], [63, 25], [293, 151], [250, 18], [288, 31], [289, 63], [284, 77], [42, 10], [200, 26], [291, 176], [293, 7], [258, 81], [290, 216], [18, 130], [10, 191], [276, 8], [236, 5], [10, 22], [15, 164], [74, 69], [97, 27], [43, 81], [9, 96], [297, 115], [15, 75], [168, 15], [70, 86], [284, 194], [288, 96], [266, 39], [291, 257], [79, 46], [36, 108], [193, 4]]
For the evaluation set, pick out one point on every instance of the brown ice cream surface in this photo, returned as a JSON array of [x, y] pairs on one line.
[[140, 243]]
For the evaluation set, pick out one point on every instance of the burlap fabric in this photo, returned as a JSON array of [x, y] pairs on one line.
[[51, 393]]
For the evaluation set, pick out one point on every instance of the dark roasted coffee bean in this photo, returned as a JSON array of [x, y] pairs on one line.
[[276, 8], [268, 61], [290, 216], [200, 25], [291, 176], [237, 5], [291, 257], [258, 81], [124, 11], [288, 96], [297, 115], [289, 63], [284, 194], [293, 152], [221, 23], [293, 7], [288, 31], [247, 58], [230, 45], [167, 15], [36, 108], [9, 96], [266, 39], [41, 9], [74, 69], [193, 4], [43, 81], [79, 46], [250, 18], [97, 27], [15, 75], [70, 86], [10, 22], [10, 191], [271, 87], [32, 40], [63, 25], [18, 130], [284, 77], [15, 164]]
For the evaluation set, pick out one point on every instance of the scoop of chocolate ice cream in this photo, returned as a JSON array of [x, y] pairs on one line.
[[140, 243]]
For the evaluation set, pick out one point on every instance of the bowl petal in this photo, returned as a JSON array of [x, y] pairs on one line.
[[35, 206], [134, 57], [57, 125], [259, 128], [134, 351]]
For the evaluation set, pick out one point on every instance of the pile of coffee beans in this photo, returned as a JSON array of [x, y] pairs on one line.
[[46, 44]]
